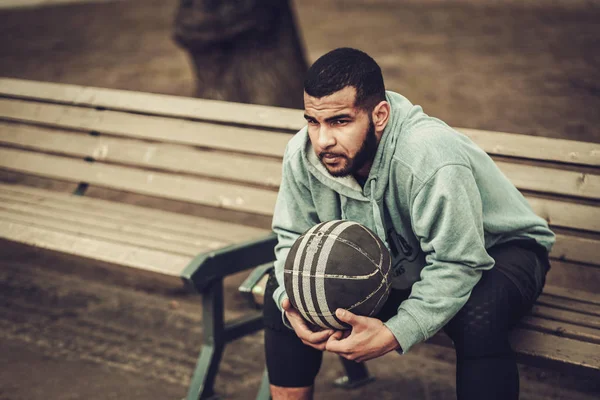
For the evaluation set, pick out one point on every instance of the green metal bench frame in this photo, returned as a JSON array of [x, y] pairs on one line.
[[205, 275]]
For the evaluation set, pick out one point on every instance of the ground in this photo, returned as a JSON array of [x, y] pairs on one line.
[[70, 332]]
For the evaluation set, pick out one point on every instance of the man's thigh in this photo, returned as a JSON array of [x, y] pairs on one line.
[[497, 302]]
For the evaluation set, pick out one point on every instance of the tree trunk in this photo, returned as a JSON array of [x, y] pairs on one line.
[[246, 51]]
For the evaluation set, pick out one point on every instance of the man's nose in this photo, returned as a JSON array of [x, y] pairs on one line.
[[326, 137]]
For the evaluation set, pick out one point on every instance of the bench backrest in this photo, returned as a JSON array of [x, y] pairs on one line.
[[228, 156]]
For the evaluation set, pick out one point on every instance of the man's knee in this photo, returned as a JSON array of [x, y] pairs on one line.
[[291, 393]]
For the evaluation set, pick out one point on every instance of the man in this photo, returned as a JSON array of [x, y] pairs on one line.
[[469, 254]]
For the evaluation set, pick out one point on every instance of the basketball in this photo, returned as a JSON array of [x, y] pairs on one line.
[[337, 264]]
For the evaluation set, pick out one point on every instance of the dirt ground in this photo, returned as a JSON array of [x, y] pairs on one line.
[[69, 330]]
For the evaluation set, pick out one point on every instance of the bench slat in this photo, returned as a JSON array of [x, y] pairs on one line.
[[72, 220], [551, 180], [536, 345], [566, 214], [535, 147], [155, 218], [568, 304], [196, 190], [140, 223], [500, 143], [98, 232], [107, 251], [162, 129], [592, 298], [571, 317], [173, 158], [573, 276], [564, 329], [174, 106], [579, 249]]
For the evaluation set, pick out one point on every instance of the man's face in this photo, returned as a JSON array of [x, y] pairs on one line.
[[342, 136]]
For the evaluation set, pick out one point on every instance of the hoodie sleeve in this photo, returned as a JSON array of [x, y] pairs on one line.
[[294, 214], [447, 218]]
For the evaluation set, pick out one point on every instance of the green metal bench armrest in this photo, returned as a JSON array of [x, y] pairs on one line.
[[248, 287], [206, 267]]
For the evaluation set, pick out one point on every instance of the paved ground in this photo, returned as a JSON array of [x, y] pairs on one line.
[[74, 331], [71, 331]]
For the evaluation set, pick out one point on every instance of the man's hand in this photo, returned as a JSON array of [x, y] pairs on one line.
[[369, 338], [315, 339]]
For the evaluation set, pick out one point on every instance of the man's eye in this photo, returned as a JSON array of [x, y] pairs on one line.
[[312, 122], [340, 122]]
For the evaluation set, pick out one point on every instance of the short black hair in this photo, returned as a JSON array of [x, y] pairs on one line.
[[346, 67]]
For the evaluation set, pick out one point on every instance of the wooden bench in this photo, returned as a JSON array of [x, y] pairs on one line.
[[186, 188], [135, 180]]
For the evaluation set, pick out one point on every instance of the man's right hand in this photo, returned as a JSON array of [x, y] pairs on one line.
[[315, 339]]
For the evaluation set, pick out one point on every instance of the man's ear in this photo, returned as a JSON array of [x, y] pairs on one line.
[[381, 116]]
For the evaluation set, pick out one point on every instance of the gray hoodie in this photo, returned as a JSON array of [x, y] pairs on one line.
[[433, 196]]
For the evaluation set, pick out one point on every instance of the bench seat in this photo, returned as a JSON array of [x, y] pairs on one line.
[[116, 233]]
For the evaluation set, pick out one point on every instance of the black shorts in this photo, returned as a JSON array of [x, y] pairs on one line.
[[520, 266]]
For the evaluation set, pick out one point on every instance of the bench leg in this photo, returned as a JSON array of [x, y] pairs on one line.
[[213, 345], [357, 375]]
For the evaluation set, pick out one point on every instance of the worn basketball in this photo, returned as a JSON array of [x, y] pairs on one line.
[[337, 264]]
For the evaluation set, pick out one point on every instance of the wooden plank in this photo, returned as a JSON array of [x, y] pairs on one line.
[[159, 104], [100, 232], [565, 214], [498, 143], [72, 219], [213, 231], [570, 317], [579, 249], [562, 329], [537, 148], [161, 129], [173, 158], [558, 350], [581, 296], [547, 350], [195, 190], [552, 180], [569, 304], [159, 219], [93, 248], [573, 276]]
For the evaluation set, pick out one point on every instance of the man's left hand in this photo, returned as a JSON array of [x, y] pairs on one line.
[[368, 339]]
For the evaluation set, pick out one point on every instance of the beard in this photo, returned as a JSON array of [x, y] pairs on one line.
[[365, 154]]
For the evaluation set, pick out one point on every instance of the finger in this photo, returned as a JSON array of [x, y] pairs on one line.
[[337, 346], [337, 335], [320, 346], [297, 322], [285, 304], [347, 317], [319, 337], [303, 331]]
